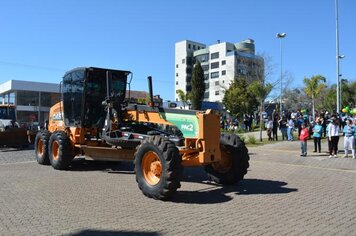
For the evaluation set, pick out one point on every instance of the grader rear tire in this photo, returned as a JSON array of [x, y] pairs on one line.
[[158, 168], [60, 150], [41, 147], [234, 161]]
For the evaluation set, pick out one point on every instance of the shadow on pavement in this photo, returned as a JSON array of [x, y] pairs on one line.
[[210, 193], [215, 193], [261, 186], [219, 194], [110, 232], [16, 149], [113, 167]]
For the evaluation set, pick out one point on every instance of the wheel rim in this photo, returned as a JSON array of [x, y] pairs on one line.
[[40, 147], [151, 168], [55, 150], [225, 164]]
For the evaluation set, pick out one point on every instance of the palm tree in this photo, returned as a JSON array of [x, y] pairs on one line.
[[184, 97], [313, 87], [261, 91]]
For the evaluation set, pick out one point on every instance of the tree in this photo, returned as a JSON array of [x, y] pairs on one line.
[[313, 87], [295, 99], [348, 93], [198, 86], [184, 97], [238, 98], [261, 91]]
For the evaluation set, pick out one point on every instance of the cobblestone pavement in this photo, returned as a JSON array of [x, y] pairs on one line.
[[282, 194]]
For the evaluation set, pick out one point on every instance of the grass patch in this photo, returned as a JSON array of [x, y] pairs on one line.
[[251, 139]]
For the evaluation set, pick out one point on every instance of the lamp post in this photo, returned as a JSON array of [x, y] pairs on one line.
[[337, 57], [281, 36], [339, 81]]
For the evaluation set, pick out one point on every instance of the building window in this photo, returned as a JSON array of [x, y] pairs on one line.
[[188, 45], [216, 92], [206, 95], [223, 62], [176, 74], [216, 83], [202, 58], [214, 55], [198, 47], [214, 75], [206, 76], [223, 72], [27, 98], [183, 61], [176, 82], [193, 47], [214, 65], [205, 67], [177, 66]]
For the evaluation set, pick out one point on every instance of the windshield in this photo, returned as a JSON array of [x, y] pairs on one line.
[[96, 92]]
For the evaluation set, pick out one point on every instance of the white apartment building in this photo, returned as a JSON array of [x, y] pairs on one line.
[[221, 62]]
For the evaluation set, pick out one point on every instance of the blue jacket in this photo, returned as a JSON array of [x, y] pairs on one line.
[[317, 131]]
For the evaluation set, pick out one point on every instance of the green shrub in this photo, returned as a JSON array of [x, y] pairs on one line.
[[251, 139]]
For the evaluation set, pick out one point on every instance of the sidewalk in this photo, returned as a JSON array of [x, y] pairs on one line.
[[324, 143], [288, 152]]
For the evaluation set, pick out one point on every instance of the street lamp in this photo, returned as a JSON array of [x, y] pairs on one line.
[[340, 82], [338, 57], [281, 36]]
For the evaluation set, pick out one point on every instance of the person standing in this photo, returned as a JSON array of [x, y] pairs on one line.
[[290, 128], [354, 144], [269, 126], [303, 137], [317, 132], [349, 133], [275, 128], [333, 135], [283, 127]]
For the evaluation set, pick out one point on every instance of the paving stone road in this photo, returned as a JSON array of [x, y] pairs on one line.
[[282, 194]]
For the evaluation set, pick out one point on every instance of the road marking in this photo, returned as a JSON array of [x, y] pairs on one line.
[[14, 163], [312, 167]]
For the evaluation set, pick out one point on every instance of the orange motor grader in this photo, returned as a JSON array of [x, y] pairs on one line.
[[95, 120]]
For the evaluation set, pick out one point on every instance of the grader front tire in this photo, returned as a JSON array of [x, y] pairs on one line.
[[234, 162], [158, 168]]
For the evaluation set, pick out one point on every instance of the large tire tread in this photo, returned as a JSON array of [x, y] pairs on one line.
[[42, 136], [171, 168], [240, 161], [65, 150]]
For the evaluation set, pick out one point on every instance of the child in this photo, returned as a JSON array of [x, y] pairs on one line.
[[304, 134]]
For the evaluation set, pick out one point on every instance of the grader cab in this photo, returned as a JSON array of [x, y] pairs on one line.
[[95, 120]]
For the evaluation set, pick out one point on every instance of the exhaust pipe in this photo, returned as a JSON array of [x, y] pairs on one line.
[[150, 103]]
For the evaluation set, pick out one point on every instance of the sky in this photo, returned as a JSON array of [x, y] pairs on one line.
[[40, 40]]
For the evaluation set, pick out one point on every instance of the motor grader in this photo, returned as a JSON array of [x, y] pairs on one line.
[[95, 120]]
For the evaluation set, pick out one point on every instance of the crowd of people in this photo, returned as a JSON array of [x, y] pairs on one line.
[[309, 127], [305, 127]]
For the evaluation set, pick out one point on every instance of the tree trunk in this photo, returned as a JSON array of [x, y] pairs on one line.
[[313, 101], [261, 110]]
